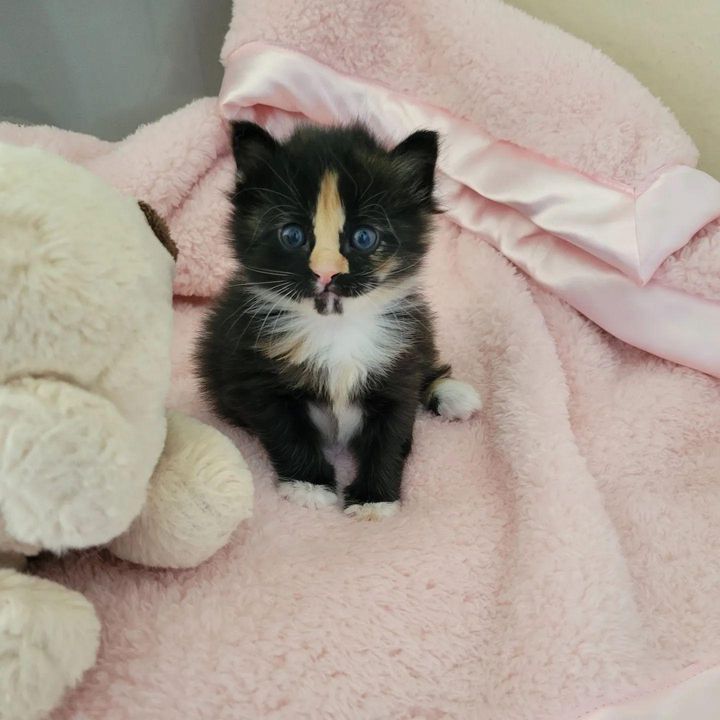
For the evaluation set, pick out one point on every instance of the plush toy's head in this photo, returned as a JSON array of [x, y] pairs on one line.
[[87, 456], [85, 330]]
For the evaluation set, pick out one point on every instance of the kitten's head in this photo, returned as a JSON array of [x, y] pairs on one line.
[[330, 214]]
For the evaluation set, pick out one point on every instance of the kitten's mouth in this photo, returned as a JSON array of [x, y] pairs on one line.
[[328, 302]]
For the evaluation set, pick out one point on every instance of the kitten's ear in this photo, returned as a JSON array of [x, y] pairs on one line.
[[252, 146], [415, 157]]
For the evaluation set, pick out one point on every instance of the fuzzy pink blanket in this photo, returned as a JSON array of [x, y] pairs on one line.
[[556, 554]]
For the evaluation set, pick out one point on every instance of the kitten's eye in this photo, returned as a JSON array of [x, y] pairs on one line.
[[365, 239], [292, 236]]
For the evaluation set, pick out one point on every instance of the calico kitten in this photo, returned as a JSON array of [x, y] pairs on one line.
[[323, 334]]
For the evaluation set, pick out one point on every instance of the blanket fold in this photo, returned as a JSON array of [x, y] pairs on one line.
[[594, 242]]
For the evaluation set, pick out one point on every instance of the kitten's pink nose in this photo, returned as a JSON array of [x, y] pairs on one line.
[[325, 277]]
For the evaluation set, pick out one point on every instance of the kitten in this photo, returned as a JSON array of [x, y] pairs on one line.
[[323, 334]]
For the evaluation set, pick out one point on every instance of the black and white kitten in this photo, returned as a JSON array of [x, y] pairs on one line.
[[323, 334]]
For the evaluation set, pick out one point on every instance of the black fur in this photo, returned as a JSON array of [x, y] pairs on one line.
[[252, 386]]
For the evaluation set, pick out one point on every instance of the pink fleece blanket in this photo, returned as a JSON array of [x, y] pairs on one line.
[[556, 554]]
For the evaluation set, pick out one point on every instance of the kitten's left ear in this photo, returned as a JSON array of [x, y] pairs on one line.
[[252, 146], [416, 157]]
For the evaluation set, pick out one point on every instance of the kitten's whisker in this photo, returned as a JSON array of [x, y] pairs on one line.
[[397, 271], [387, 220], [369, 185], [373, 198], [345, 170], [236, 314], [293, 190], [291, 297], [258, 225], [255, 283], [262, 327], [264, 271], [265, 190]]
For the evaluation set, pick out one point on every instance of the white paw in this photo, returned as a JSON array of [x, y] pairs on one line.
[[456, 400], [307, 494], [373, 511]]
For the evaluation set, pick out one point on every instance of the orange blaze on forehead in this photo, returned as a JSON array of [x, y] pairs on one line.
[[327, 225]]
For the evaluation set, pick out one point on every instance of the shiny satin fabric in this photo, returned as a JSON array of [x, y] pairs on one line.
[[593, 242]]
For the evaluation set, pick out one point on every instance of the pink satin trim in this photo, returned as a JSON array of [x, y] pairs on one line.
[[695, 697], [593, 242]]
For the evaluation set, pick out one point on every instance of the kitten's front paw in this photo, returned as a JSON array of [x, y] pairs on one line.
[[454, 399], [373, 510], [307, 494]]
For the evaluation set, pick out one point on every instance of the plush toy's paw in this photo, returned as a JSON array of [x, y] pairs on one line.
[[307, 494], [200, 491], [454, 399], [68, 471], [373, 511], [12, 551], [49, 637]]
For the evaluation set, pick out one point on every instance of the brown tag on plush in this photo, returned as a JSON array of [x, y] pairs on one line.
[[160, 228]]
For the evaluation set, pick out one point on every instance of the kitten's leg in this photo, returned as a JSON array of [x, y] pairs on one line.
[[450, 398], [294, 444], [381, 448]]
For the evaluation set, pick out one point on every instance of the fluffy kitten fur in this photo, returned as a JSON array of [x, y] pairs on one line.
[[323, 334]]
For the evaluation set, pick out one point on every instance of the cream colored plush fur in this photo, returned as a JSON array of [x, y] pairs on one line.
[[87, 454]]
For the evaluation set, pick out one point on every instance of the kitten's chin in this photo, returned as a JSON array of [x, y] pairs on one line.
[[328, 303]]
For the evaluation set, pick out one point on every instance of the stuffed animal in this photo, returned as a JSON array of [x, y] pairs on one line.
[[88, 454]]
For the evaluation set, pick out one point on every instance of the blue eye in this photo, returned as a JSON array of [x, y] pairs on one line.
[[292, 236], [365, 239]]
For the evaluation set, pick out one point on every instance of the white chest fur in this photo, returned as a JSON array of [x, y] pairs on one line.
[[345, 350], [339, 423], [342, 349]]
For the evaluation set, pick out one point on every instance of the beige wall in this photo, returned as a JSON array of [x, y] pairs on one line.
[[671, 46]]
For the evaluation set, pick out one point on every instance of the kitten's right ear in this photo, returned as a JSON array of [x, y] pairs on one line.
[[415, 158], [252, 146]]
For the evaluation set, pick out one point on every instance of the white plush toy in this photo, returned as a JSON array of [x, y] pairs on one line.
[[88, 455]]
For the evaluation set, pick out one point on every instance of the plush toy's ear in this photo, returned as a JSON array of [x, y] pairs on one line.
[[160, 228]]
